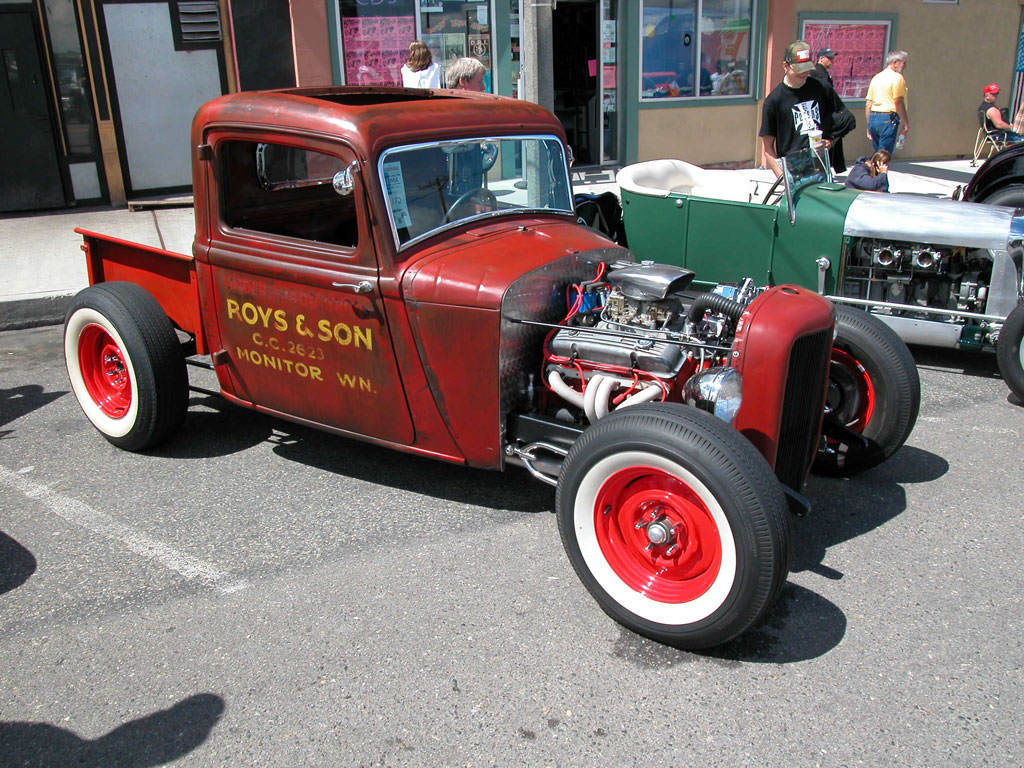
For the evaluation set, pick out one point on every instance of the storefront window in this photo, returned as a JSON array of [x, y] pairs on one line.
[[452, 30], [375, 38], [72, 83], [682, 58], [860, 48]]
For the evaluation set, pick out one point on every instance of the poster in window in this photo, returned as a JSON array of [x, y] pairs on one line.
[[376, 47], [480, 48], [860, 52], [608, 100], [454, 47]]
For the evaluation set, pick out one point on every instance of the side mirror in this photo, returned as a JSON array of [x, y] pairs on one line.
[[802, 169], [343, 182]]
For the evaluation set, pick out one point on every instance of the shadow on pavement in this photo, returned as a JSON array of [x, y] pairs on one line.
[[513, 490], [156, 739], [978, 364], [223, 429], [220, 430], [844, 508], [802, 625], [16, 564], [19, 401]]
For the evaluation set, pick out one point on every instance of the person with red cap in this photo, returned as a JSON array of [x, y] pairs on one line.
[[993, 117]]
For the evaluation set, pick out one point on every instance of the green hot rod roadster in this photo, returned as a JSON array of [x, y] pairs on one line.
[[937, 272]]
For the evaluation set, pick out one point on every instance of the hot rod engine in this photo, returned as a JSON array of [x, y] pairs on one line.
[[918, 279], [945, 280], [634, 335]]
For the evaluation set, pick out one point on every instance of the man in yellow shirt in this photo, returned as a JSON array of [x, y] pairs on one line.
[[885, 108]]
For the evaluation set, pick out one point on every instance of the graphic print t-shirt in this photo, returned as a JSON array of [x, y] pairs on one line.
[[790, 113]]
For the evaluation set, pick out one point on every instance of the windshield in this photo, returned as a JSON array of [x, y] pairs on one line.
[[429, 187]]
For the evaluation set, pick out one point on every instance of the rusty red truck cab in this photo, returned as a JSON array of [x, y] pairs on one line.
[[406, 267]]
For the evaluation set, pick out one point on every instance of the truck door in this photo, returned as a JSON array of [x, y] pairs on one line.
[[300, 318]]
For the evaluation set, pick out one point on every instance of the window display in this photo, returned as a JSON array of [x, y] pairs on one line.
[[695, 48], [455, 29], [375, 39]]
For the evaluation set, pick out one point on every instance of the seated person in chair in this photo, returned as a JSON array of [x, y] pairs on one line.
[[991, 117]]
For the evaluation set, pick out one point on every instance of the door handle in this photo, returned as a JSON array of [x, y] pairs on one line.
[[363, 286]]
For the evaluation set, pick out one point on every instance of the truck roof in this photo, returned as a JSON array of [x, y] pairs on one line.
[[373, 118]]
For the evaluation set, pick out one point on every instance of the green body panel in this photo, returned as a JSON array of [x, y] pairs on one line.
[[820, 220], [656, 227], [728, 241], [724, 241]]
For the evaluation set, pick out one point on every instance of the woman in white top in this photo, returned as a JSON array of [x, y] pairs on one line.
[[420, 71]]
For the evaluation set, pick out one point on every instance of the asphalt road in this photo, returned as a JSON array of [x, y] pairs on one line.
[[260, 594]]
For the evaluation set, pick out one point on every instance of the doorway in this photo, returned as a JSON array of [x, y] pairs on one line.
[[574, 60], [32, 178], [585, 77]]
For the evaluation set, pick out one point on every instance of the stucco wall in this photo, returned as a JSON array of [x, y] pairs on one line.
[[701, 135], [954, 51]]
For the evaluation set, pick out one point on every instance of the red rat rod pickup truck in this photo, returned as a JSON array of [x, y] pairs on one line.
[[405, 267]]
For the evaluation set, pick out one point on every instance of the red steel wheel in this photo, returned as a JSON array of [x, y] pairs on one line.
[[658, 535], [675, 523], [873, 390], [851, 393], [104, 371], [125, 365]]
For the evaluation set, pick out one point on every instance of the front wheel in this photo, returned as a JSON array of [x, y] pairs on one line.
[[873, 390], [675, 523], [1010, 351], [125, 365]]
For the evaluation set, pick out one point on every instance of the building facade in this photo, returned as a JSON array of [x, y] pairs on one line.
[[100, 93]]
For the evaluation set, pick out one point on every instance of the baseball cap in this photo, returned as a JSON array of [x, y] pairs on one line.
[[991, 88], [798, 56], [827, 52]]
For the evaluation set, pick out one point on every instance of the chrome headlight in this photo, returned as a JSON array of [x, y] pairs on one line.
[[717, 390]]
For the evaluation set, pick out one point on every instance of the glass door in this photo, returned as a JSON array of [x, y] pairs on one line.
[[608, 83]]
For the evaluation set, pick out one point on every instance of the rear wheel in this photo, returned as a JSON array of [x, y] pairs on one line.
[[1010, 351], [125, 365], [675, 523], [1010, 195], [873, 390]]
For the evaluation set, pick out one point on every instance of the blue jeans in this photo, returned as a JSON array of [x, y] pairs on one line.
[[1008, 136], [884, 127]]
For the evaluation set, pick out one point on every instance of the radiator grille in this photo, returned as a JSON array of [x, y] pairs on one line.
[[802, 407]]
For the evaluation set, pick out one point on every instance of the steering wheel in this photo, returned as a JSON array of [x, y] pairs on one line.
[[772, 190], [480, 195]]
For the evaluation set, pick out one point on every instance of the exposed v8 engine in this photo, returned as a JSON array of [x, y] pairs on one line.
[[635, 334]]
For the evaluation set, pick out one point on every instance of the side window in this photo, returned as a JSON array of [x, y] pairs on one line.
[[284, 190]]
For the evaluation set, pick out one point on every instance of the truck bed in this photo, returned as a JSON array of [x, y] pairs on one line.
[[169, 276]]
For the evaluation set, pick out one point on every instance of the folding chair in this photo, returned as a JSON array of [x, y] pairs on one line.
[[986, 138]]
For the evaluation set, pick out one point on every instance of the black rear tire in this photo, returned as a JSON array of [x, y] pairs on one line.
[[667, 475], [873, 389], [1011, 195], [1010, 352], [125, 364]]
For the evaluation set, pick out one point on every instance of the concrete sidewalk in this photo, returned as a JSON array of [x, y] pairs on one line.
[[42, 265]]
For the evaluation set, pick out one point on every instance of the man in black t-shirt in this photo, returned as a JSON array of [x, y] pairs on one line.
[[796, 106]]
